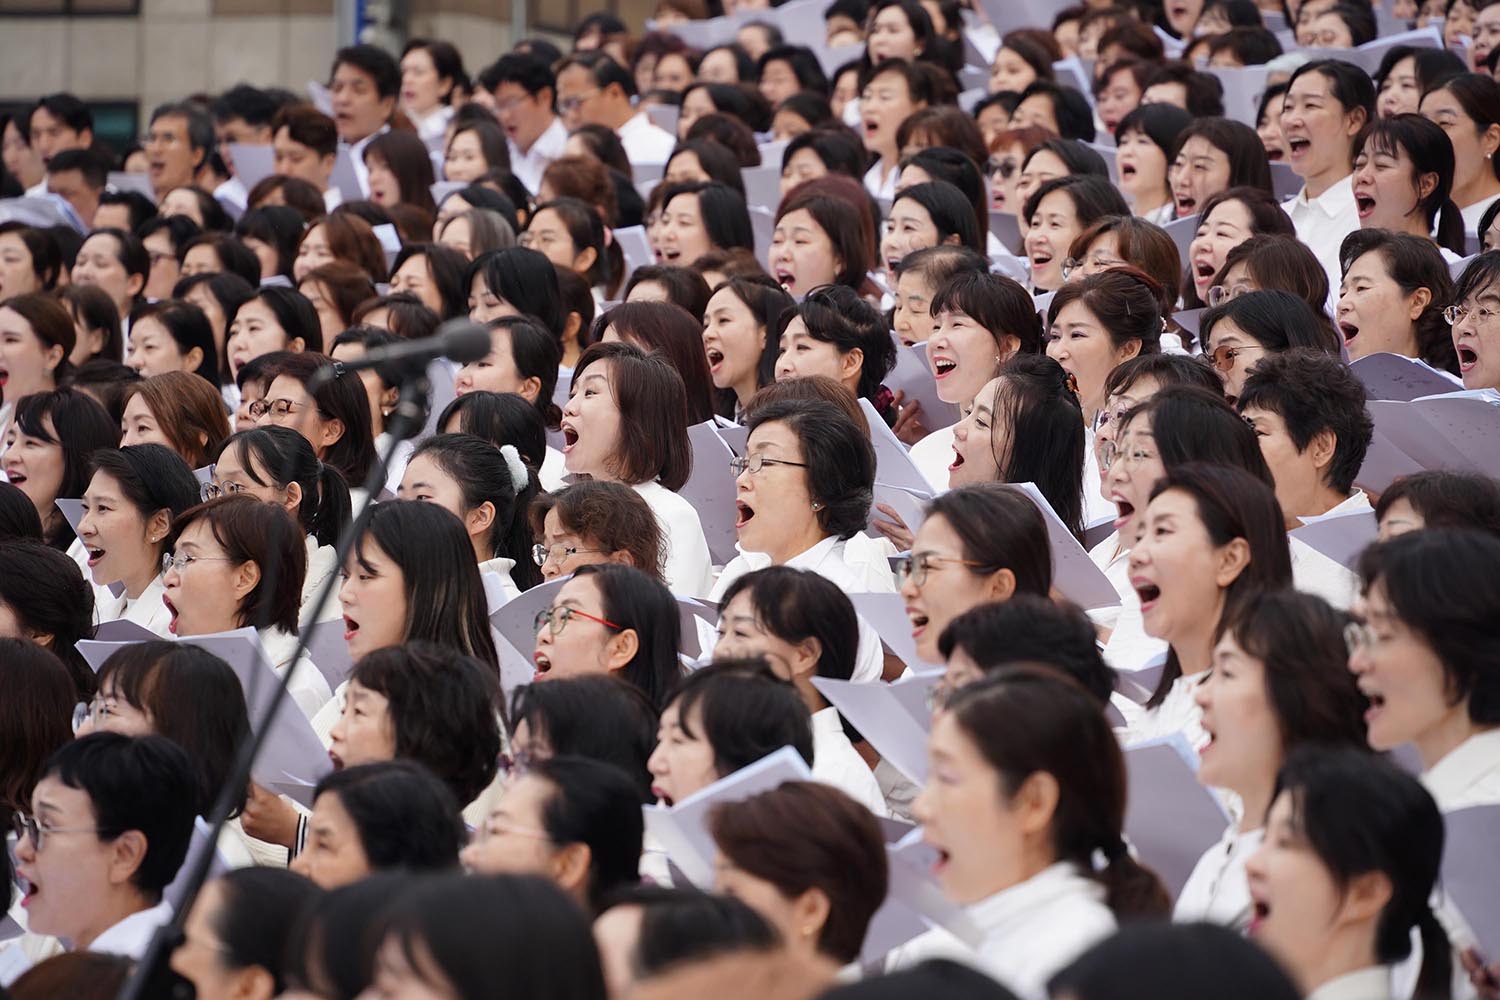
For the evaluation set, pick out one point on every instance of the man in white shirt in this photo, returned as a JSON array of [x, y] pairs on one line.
[[525, 91], [593, 89], [242, 116], [1308, 411], [178, 144], [110, 824], [78, 176], [58, 122], [1327, 103], [363, 86]]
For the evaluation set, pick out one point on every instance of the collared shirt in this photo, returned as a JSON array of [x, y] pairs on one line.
[[1178, 712], [1315, 573], [1469, 775], [131, 936], [1474, 213], [148, 611], [432, 127], [644, 141], [881, 185], [1034, 929], [1323, 222], [1218, 891], [529, 165], [1373, 983], [309, 689], [687, 567], [837, 763]]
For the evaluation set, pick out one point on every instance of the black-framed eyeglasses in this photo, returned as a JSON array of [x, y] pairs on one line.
[[277, 407], [27, 826], [557, 553], [755, 463]]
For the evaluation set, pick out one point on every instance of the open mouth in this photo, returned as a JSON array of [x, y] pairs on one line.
[[715, 358], [943, 367], [871, 126], [1148, 593], [1350, 331], [661, 795], [1204, 270], [1127, 511], [1186, 204], [669, 254], [1467, 359], [94, 555], [1377, 704], [16, 478], [172, 610], [4, 372], [542, 662], [29, 889], [1259, 911], [743, 513], [1275, 154], [786, 279], [351, 628], [1039, 260], [918, 621], [958, 460], [1298, 147], [570, 438], [1364, 204], [1127, 170], [336, 760]]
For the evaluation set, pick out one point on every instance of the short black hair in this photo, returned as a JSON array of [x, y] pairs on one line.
[[140, 207], [375, 62], [1031, 628], [603, 68], [1447, 499], [840, 460], [745, 712], [93, 167], [682, 925], [595, 716], [798, 604], [1075, 116], [257, 915], [530, 72], [595, 804], [1313, 392], [143, 783], [250, 104], [405, 816], [66, 108], [200, 127]]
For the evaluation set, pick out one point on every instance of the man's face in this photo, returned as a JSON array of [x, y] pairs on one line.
[[358, 108], [52, 135], [171, 159], [293, 159], [237, 130], [70, 186], [579, 98], [524, 116]]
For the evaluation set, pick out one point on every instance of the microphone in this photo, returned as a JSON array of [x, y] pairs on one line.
[[458, 340]]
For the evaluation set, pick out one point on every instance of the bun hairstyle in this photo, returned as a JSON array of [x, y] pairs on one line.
[[1026, 721]]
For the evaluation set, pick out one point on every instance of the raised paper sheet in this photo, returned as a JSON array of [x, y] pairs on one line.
[[1170, 819]]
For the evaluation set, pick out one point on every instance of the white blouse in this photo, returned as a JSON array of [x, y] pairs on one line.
[[687, 566], [1217, 891], [148, 611], [321, 564], [932, 455], [837, 763], [1373, 983], [1469, 775], [308, 688], [1177, 713]]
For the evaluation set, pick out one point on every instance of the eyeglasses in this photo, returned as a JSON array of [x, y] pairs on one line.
[[516, 764], [1222, 358], [1112, 414], [1006, 168], [1110, 452], [212, 491], [27, 826], [1220, 294], [168, 560], [557, 553], [96, 711], [556, 619], [916, 568], [755, 463], [495, 828], [280, 407], [573, 103], [1089, 265], [1359, 635], [1456, 314]]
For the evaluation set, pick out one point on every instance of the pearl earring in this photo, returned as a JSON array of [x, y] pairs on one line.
[[817, 506]]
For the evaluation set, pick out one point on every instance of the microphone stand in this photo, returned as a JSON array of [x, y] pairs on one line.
[[152, 978]]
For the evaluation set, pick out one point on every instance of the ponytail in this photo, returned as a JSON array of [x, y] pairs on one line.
[[326, 519], [1450, 228], [1435, 980], [1131, 890], [517, 539]]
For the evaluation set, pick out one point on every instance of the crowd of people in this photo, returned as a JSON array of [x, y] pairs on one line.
[[995, 499]]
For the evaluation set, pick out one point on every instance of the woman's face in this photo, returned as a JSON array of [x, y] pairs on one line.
[[963, 356], [804, 165], [774, 507], [429, 482], [1327, 31], [734, 341], [138, 425], [465, 160], [181, 201], [1405, 682], [485, 305], [1316, 128], [1233, 353], [232, 474], [365, 732], [26, 364], [1054, 227], [912, 319], [266, 253], [1473, 147], [1374, 314], [1037, 110], [373, 597], [421, 87], [1385, 191], [1269, 130], [682, 763], [1226, 227], [741, 633], [385, 189], [719, 67], [982, 835], [1170, 563], [1107, 423], [200, 957], [256, 331], [1128, 478], [99, 264], [681, 236], [457, 234], [788, 124], [1478, 341], [291, 406], [802, 256], [201, 297], [121, 545], [1009, 72], [1143, 167], [778, 82], [884, 104], [164, 267], [35, 466], [1200, 171], [513, 839], [549, 236], [695, 104], [1244, 747], [891, 37], [1120, 96], [568, 550], [314, 250], [940, 587], [154, 351], [1182, 16], [845, 89], [909, 228], [1081, 344], [591, 424], [980, 441], [17, 274], [205, 588], [21, 161], [415, 278], [584, 645], [1400, 93], [801, 354], [685, 168], [334, 856]]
